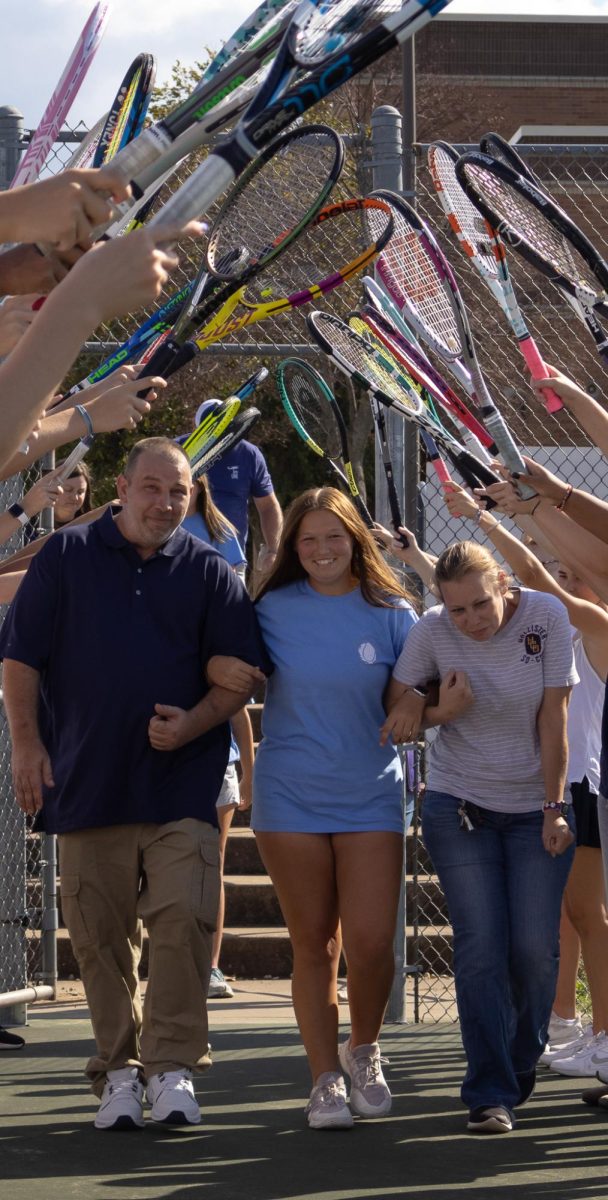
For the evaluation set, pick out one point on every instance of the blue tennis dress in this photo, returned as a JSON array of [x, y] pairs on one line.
[[320, 767]]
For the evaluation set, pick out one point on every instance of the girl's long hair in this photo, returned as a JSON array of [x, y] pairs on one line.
[[379, 585], [220, 528]]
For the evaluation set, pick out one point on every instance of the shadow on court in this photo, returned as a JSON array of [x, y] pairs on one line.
[[253, 1143]]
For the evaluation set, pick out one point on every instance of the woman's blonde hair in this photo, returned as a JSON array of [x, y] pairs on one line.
[[220, 528], [379, 585], [462, 558]]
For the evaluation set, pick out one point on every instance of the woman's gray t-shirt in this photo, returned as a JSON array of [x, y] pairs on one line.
[[491, 754]]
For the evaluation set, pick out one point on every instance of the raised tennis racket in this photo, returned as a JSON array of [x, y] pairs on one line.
[[128, 111], [315, 415], [380, 315], [63, 97], [356, 357], [336, 241], [541, 232], [329, 45], [419, 279], [239, 428], [486, 253]]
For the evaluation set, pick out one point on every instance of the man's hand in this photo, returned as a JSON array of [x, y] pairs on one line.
[[557, 835], [170, 728], [232, 673], [31, 770]]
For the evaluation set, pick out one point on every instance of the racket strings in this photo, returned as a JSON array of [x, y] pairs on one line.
[[351, 348], [410, 276], [333, 248], [275, 199], [467, 223], [515, 212], [313, 410], [333, 24]]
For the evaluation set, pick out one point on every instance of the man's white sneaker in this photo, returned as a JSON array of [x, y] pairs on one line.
[[586, 1060], [369, 1094], [121, 1104], [172, 1098], [327, 1107]]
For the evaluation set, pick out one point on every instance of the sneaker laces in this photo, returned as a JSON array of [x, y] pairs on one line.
[[180, 1080], [330, 1095], [367, 1069]]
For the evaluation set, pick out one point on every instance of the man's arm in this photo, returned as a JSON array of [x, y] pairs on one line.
[[173, 727], [31, 762], [271, 524]]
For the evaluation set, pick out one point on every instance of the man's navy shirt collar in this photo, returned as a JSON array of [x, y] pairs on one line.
[[111, 534]]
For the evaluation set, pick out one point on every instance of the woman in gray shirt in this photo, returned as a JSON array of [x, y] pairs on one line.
[[494, 819]]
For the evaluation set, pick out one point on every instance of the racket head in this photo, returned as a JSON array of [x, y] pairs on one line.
[[240, 426], [254, 29], [414, 272], [379, 299], [537, 228], [321, 29], [292, 280], [275, 198], [498, 147], [465, 219], [119, 125], [355, 356], [385, 358], [311, 407], [210, 428]]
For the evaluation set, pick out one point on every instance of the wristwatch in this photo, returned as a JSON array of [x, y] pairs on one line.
[[558, 806], [420, 690], [18, 513]]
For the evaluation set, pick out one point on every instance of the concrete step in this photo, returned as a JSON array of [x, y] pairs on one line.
[[257, 952]]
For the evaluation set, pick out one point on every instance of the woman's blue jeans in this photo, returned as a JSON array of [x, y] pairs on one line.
[[504, 895]]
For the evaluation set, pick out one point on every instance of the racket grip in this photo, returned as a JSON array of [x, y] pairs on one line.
[[441, 471], [160, 363], [538, 370]]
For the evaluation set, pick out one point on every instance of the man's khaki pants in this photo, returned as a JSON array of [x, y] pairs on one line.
[[167, 875]]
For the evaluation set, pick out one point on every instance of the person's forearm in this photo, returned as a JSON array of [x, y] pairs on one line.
[[218, 706], [526, 566], [424, 566], [38, 363], [592, 417], [9, 586], [56, 430], [551, 726], [587, 511], [21, 690], [585, 554], [271, 524], [243, 736]]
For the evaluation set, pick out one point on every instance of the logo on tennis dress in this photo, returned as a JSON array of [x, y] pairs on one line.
[[367, 652], [532, 641]]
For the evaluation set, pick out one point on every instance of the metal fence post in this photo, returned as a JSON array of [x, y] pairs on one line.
[[386, 163], [11, 133]]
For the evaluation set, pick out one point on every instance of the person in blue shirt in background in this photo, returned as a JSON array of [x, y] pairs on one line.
[[328, 795], [242, 475]]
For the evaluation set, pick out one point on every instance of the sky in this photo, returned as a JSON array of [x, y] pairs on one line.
[[38, 37]]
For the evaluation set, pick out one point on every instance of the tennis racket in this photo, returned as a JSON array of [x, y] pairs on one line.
[[388, 362], [542, 233], [355, 356], [486, 253], [419, 279], [215, 423], [331, 46], [240, 426], [316, 417], [282, 191], [291, 279], [63, 97], [380, 315], [128, 111]]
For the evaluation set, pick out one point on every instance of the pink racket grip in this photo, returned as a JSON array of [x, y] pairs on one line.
[[538, 370], [441, 471]]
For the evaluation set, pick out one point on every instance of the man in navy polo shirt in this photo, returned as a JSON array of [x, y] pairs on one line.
[[120, 746], [242, 475]]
